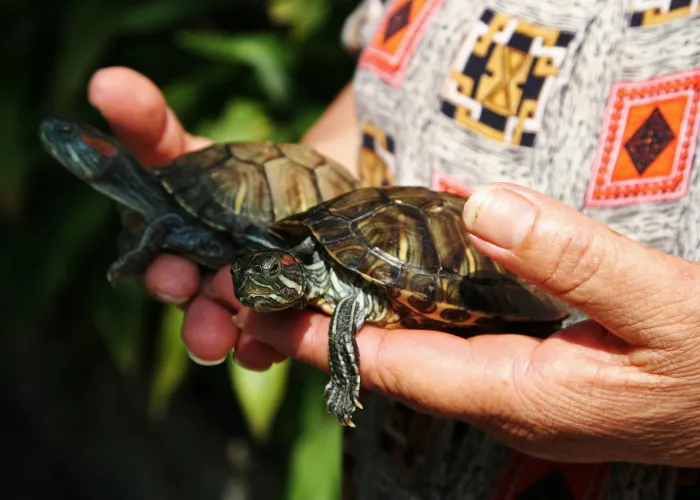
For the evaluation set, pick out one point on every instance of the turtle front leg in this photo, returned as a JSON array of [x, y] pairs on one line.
[[135, 261], [171, 233], [343, 391]]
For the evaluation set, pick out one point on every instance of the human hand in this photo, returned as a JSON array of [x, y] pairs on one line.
[[622, 386], [139, 116]]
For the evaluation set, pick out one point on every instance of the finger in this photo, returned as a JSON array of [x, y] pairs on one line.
[[139, 116], [171, 279], [431, 371], [255, 355], [641, 294], [208, 332], [222, 289]]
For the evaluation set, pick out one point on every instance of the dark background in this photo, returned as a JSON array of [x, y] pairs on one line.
[[97, 396]]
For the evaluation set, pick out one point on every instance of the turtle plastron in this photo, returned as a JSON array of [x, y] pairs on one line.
[[647, 141]]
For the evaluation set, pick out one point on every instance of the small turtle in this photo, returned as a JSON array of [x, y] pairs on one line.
[[392, 256], [206, 205]]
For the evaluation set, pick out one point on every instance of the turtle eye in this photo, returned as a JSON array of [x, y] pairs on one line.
[[274, 269]]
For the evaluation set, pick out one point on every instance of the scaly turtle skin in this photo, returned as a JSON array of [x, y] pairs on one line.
[[206, 205], [397, 257]]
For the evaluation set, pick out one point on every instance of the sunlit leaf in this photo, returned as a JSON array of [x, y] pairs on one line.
[[304, 17], [266, 54], [260, 395], [316, 456], [118, 314], [170, 364], [240, 120]]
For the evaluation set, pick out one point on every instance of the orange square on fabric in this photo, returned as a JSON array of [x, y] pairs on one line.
[[440, 181], [388, 52], [647, 141]]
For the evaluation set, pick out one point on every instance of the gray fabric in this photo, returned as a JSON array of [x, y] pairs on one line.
[[459, 462]]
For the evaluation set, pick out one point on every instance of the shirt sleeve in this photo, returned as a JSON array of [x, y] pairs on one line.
[[361, 23]]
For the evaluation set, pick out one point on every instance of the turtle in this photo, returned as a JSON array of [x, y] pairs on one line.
[[394, 256], [206, 205]]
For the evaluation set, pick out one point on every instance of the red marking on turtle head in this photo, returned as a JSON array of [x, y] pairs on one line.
[[288, 259], [100, 145]]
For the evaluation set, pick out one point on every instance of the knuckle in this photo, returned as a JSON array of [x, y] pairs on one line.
[[577, 257]]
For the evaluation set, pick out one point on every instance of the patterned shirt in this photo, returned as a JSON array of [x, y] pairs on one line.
[[593, 102]]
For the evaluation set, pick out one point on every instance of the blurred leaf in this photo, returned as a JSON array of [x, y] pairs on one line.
[[304, 16], [149, 16], [301, 123], [171, 362], [49, 253], [260, 395], [17, 102], [88, 27], [118, 314], [266, 54], [240, 120], [184, 94], [316, 455], [16, 159], [67, 230], [85, 428]]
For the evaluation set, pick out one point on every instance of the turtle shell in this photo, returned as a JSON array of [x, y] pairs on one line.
[[231, 186], [411, 242]]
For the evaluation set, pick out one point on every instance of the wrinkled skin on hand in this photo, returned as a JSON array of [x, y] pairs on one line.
[[621, 386]]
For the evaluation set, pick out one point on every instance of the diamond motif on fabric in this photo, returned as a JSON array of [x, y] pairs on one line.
[[398, 20], [395, 39], [649, 141]]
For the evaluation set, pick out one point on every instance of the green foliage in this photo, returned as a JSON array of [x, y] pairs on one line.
[[265, 54], [315, 464], [260, 395], [100, 398], [171, 362], [304, 17], [240, 120]]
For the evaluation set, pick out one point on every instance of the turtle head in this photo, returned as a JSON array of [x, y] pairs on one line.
[[81, 148], [270, 280]]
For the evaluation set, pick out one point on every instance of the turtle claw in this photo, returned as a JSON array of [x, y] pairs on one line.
[[114, 276], [132, 264], [342, 400]]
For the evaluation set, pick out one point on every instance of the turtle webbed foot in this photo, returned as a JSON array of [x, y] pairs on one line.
[[342, 397]]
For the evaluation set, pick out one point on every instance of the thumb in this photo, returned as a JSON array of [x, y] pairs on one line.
[[640, 294]]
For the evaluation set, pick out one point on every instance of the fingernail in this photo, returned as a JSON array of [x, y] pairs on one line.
[[169, 299], [236, 321], [499, 216], [205, 362]]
